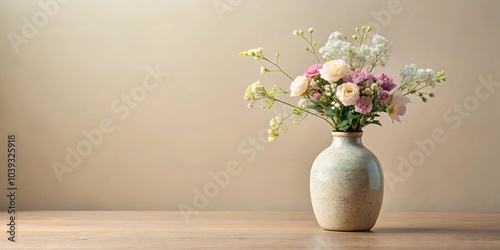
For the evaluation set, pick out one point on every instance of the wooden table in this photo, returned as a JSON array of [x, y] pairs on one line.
[[245, 230]]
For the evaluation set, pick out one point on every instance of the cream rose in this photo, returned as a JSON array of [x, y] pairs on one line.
[[333, 70], [299, 86], [348, 93]]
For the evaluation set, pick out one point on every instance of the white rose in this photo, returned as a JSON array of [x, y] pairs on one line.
[[348, 93], [299, 86], [333, 70]]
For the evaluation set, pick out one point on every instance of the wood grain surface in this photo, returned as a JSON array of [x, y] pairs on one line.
[[245, 230]]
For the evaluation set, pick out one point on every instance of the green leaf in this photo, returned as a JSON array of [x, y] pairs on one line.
[[343, 126], [374, 122], [329, 112]]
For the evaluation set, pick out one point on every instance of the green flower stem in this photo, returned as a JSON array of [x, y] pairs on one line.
[[277, 66], [301, 109], [313, 48], [415, 90], [377, 59], [403, 85]]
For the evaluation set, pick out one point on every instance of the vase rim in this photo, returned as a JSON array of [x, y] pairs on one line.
[[347, 134]]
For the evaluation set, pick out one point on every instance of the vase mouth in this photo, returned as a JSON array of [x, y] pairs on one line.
[[347, 134]]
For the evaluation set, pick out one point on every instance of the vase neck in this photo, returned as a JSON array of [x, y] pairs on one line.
[[346, 138]]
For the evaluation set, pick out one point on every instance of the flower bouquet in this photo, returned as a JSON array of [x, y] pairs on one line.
[[341, 88], [346, 181]]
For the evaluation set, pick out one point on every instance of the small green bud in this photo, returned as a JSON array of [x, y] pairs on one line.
[[310, 30], [363, 28], [431, 94], [424, 99], [354, 37], [357, 29], [295, 33], [315, 43], [301, 32], [365, 37], [369, 28]]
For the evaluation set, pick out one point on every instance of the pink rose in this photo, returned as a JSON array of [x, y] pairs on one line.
[[385, 82], [383, 96], [316, 96], [363, 105], [312, 71], [359, 76]]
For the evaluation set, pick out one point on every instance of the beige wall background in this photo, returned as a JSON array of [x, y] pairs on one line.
[[73, 67]]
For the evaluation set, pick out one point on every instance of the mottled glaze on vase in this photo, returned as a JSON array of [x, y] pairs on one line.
[[347, 185]]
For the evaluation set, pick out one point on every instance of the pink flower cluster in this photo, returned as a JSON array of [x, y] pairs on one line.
[[313, 70], [364, 92]]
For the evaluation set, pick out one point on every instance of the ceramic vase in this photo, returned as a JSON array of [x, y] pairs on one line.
[[346, 184]]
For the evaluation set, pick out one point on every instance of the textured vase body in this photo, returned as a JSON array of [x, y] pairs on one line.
[[347, 185]]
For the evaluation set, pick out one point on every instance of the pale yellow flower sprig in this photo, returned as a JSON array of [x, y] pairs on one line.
[[311, 48], [362, 35], [278, 124], [256, 92], [256, 53], [259, 55]]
